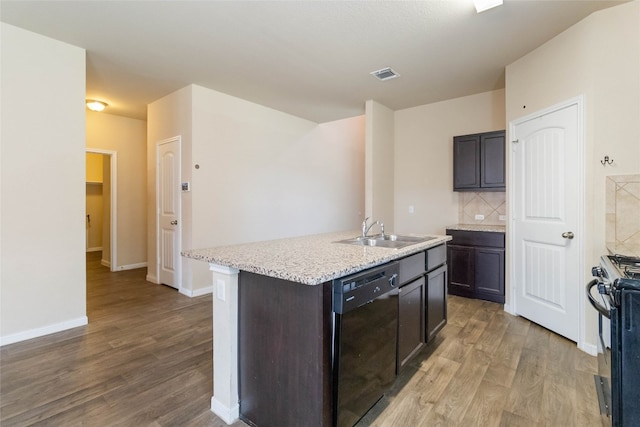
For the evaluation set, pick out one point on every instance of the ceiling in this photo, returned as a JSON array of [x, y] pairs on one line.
[[311, 59]]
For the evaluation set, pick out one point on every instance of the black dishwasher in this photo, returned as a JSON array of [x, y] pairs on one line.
[[365, 327]]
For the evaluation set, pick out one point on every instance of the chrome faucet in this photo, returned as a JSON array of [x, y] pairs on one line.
[[366, 228]]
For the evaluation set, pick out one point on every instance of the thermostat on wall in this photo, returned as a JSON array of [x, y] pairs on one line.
[[186, 186]]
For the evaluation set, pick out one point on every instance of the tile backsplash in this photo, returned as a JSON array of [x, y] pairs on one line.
[[489, 204], [623, 214]]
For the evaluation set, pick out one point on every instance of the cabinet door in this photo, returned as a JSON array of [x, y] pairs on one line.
[[489, 277], [461, 263], [436, 306], [466, 162], [410, 320], [492, 169]]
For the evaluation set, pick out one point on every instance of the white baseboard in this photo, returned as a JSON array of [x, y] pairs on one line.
[[131, 266], [44, 330], [106, 263], [197, 292], [151, 278], [228, 415], [589, 348], [96, 249], [509, 309]]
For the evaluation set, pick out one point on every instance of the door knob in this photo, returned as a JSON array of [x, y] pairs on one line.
[[568, 234], [175, 222]]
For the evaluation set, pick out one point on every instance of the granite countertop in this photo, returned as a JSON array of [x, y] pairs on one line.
[[309, 260], [478, 227]]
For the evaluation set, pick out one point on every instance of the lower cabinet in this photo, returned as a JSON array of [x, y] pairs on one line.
[[461, 261], [489, 277], [410, 320], [436, 306], [476, 264], [422, 301]]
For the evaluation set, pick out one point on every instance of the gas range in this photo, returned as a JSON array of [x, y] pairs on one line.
[[617, 280], [616, 273]]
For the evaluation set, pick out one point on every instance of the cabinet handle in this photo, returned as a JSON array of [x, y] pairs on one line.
[[392, 280], [568, 235]]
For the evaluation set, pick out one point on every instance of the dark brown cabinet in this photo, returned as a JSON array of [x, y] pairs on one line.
[[436, 309], [461, 262], [284, 349], [489, 277], [422, 301], [479, 162], [410, 320], [411, 302], [476, 264]]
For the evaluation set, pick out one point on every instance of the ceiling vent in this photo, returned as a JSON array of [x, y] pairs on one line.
[[385, 74]]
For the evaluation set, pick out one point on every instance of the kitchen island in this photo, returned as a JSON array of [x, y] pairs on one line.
[[272, 315]]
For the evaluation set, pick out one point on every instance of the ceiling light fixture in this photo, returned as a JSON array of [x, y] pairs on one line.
[[482, 5], [385, 74], [95, 105]]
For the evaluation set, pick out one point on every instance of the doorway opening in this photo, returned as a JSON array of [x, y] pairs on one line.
[[101, 205]]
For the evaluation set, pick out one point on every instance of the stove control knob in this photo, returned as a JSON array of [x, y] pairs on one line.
[[596, 271], [604, 288]]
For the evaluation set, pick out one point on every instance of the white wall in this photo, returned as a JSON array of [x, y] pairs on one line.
[[168, 117], [106, 211], [94, 202], [42, 288], [379, 165], [600, 58], [127, 137], [94, 210], [262, 175], [94, 167], [424, 157]]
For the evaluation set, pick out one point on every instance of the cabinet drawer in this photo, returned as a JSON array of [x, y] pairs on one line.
[[411, 267], [436, 256], [488, 239]]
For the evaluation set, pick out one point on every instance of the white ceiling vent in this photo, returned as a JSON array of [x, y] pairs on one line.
[[385, 74]]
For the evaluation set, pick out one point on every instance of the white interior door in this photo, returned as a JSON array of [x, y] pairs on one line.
[[546, 202], [168, 204]]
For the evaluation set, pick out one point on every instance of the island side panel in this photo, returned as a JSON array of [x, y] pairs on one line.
[[284, 352]]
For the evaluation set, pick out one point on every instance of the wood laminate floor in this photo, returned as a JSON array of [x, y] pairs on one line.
[[145, 359]]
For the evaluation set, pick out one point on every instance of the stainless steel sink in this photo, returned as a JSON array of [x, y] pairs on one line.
[[393, 241]]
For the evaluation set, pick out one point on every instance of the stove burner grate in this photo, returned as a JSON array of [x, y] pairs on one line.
[[622, 260], [628, 266], [632, 273]]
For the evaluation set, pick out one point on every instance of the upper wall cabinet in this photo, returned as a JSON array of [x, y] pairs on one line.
[[478, 162]]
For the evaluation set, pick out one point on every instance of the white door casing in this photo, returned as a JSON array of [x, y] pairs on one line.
[[546, 205], [168, 209]]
